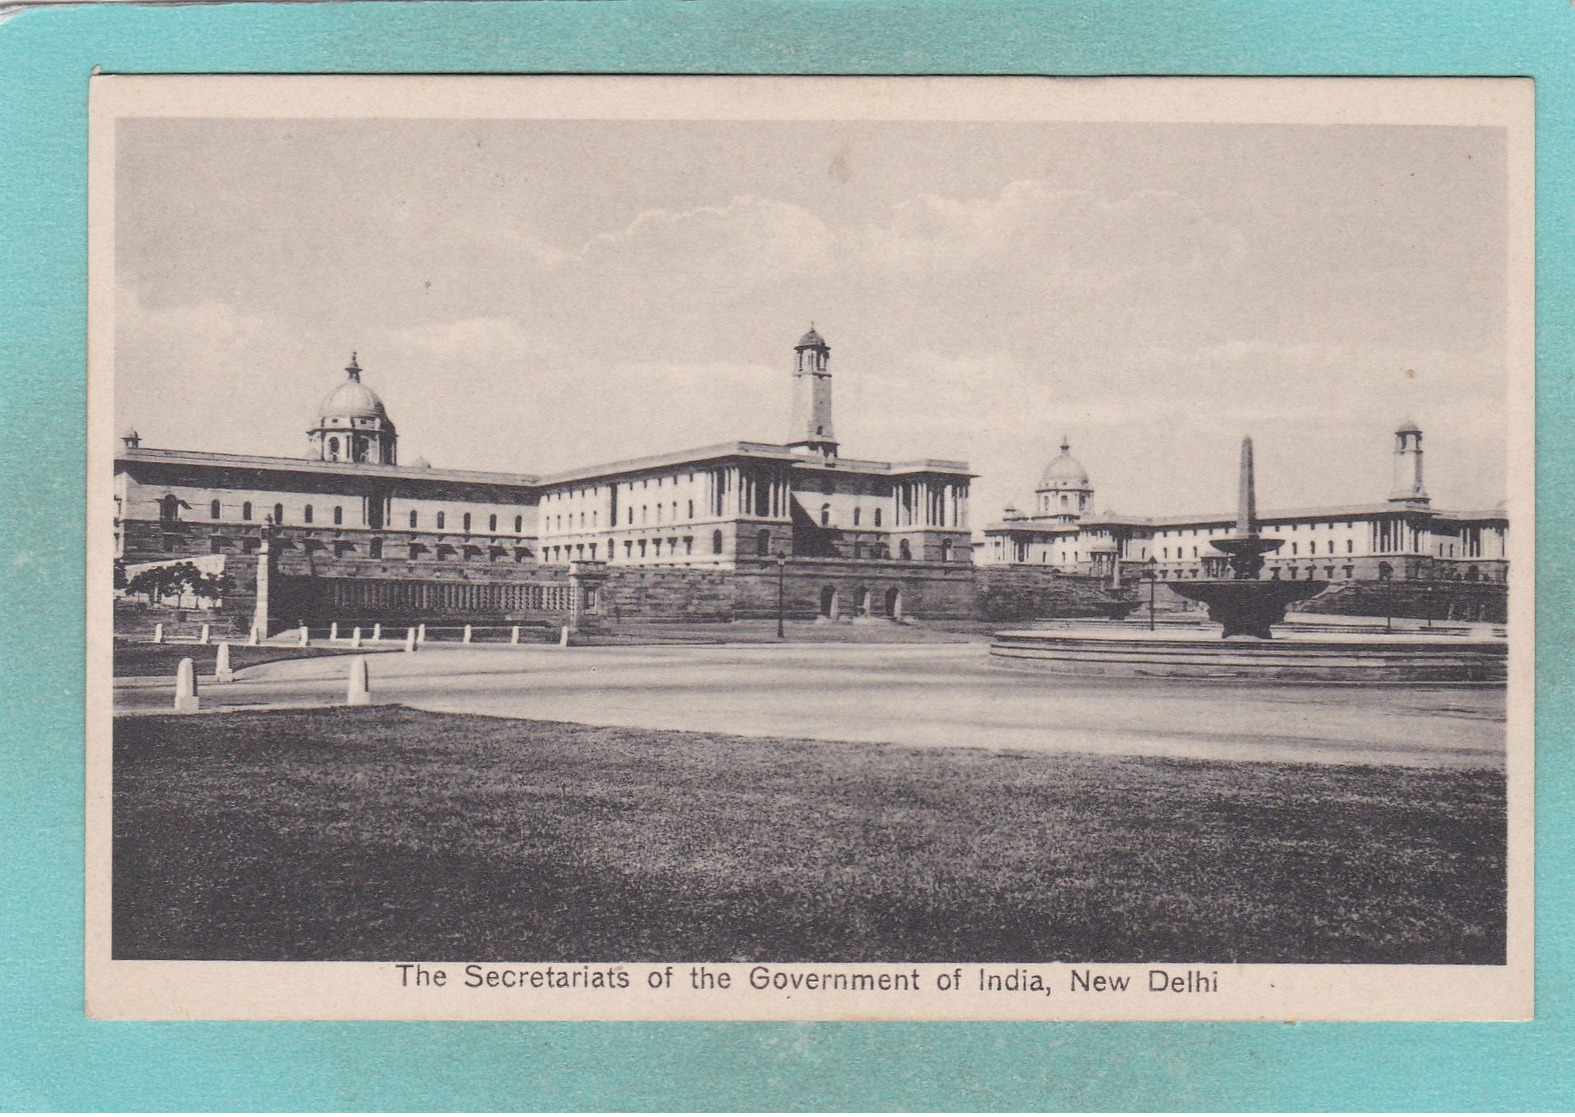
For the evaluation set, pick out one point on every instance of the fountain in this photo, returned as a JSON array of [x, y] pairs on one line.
[[1245, 604]]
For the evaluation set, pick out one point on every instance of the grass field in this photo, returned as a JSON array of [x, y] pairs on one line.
[[139, 658], [388, 833]]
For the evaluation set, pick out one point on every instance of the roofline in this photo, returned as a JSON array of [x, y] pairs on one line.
[[154, 455], [1349, 512]]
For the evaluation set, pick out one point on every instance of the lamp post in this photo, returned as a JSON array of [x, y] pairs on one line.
[[781, 572], [1150, 571]]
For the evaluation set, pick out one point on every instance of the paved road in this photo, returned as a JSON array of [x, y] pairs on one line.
[[946, 695]]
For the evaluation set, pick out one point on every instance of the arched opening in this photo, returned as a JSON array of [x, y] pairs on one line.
[[375, 548], [213, 510], [440, 518], [856, 514], [339, 515], [519, 524], [861, 599], [306, 514], [763, 544], [492, 522], [415, 519], [333, 449], [946, 550], [1385, 572], [246, 511], [894, 603], [465, 521], [828, 602], [169, 508], [278, 513], [716, 542], [825, 515], [877, 517], [904, 551], [1473, 574]]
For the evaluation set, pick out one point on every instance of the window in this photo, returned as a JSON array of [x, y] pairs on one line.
[[440, 519], [630, 518], [213, 510], [339, 515], [691, 510], [465, 521], [1312, 547], [593, 552], [763, 544], [306, 514], [278, 513], [689, 544], [519, 524], [246, 511], [1349, 546], [628, 548], [903, 550], [415, 519], [946, 550], [642, 548], [375, 548], [877, 517], [492, 522], [825, 515], [716, 542], [856, 512], [1293, 548]]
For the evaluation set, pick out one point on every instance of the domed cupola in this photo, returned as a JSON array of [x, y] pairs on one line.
[[1064, 491], [353, 425]]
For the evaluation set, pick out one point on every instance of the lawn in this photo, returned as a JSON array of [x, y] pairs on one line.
[[389, 833], [140, 658]]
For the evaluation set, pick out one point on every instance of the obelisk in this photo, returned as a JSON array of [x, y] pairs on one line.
[[1246, 496]]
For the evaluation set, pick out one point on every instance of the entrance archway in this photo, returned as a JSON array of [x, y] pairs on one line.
[[861, 598], [828, 602], [894, 603]]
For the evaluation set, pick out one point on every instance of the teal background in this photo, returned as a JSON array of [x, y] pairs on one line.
[[51, 1057]]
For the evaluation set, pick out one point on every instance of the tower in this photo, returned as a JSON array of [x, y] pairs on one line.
[[353, 425], [812, 432], [1408, 466]]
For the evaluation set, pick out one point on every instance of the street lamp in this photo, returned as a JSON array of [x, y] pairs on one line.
[[781, 571], [1150, 571]]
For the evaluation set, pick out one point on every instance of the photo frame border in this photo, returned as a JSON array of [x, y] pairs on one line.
[[53, 1057]]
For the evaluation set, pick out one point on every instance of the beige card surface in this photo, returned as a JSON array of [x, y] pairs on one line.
[[810, 548]]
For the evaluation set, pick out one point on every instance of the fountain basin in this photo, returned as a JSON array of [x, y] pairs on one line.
[[1200, 654], [1247, 606]]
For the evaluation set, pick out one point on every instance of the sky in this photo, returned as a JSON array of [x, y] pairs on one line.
[[531, 296]]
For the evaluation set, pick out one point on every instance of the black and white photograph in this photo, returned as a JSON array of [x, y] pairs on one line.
[[813, 548]]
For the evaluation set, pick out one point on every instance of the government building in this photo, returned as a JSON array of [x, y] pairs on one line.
[[1400, 538], [347, 532]]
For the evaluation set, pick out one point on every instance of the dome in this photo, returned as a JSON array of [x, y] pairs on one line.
[[811, 339], [1408, 427], [352, 399], [1065, 472]]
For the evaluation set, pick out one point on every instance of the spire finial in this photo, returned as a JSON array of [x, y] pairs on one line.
[[353, 369], [1066, 444]]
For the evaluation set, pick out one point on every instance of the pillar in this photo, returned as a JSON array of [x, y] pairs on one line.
[[203, 636], [222, 672], [264, 562], [421, 634], [186, 700], [355, 637], [514, 635], [158, 633], [467, 634], [410, 640], [359, 692], [305, 637], [377, 632], [333, 632]]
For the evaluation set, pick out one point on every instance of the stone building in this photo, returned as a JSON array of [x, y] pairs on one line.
[[348, 532], [1403, 538]]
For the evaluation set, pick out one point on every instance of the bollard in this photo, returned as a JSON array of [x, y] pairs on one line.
[[410, 640], [377, 632], [467, 634], [421, 634], [563, 637], [186, 701], [360, 692], [333, 632], [203, 637], [355, 637], [514, 637], [158, 633], [306, 637], [222, 672]]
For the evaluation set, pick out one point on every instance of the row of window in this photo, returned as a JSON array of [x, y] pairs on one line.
[[1312, 549], [169, 509]]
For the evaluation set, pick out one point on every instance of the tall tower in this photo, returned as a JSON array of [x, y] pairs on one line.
[[812, 432], [1408, 466]]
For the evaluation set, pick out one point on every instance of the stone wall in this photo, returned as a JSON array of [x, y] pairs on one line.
[[1026, 593], [1438, 601]]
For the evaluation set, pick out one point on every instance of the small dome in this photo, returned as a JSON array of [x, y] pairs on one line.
[[1408, 427], [352, 399], [1065, 472], [811, 339]]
